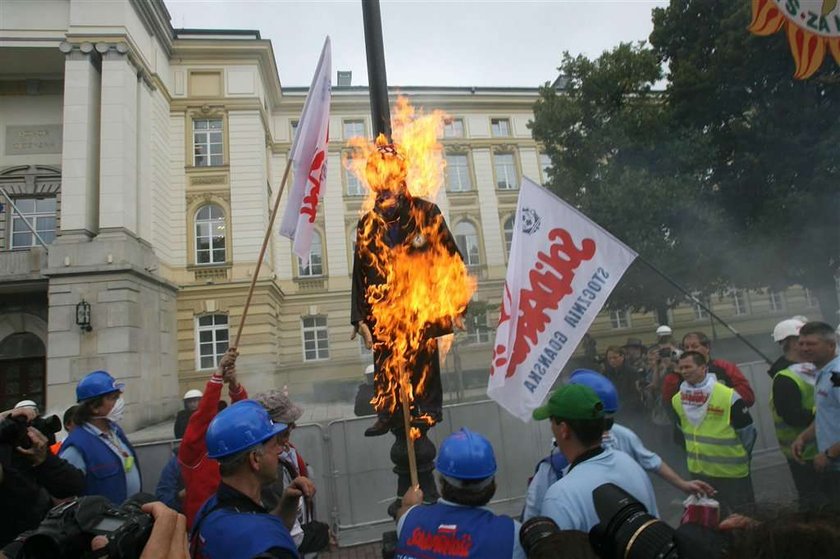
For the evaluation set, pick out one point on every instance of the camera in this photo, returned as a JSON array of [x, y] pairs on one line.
[[68, 529], [668, 352], [13, 429], [537, 537], [626, 530]]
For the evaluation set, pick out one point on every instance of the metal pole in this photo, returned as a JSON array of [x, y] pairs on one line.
[[700, 303], [26, 221], [380, 111]]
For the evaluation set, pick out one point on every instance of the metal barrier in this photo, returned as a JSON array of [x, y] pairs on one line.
[[355, 478]]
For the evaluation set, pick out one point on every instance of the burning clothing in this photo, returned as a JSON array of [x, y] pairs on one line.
[[396, 256]]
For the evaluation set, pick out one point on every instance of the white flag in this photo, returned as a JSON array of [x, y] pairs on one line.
[[562, 268], [309, 159]]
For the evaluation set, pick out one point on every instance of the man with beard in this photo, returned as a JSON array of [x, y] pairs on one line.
[[397, 221]]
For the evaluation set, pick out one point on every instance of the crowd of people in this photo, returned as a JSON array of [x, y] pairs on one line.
[[236, 486]]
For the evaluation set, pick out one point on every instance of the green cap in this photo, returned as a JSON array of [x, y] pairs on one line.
[[573, 401]]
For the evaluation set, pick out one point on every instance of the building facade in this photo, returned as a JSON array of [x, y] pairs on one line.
[[147, 158]]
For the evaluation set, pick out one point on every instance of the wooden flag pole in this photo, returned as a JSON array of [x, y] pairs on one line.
[[262, 252], [409, 442]]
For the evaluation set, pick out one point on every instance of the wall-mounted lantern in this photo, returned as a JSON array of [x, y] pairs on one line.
[[83, 316]]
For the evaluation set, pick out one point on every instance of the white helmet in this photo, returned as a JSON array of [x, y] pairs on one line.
[[369, 369], [190, 394], [26, 404], [664, 330], [787, 328]]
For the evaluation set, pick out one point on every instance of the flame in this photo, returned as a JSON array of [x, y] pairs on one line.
[[415, 433], [425, 283]]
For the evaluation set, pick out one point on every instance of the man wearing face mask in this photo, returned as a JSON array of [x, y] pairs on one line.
[[98, 446], [397, 220]]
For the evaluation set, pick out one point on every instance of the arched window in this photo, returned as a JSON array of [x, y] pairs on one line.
[[210, 235], [508, 231], [466, 237], [314, 265]]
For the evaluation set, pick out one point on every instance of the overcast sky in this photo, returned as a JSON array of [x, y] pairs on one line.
[[512, 43]]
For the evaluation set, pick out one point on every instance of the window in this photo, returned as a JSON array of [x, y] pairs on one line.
[[699, 312], [212, 339], [508, 231], [453, 128], [458, 173], [739, 301], [477, 330], [353, 128], [354, 185], [505, 166], [40, 213], [619, 319], [810, 300], [314, 265], [777, 301], [207, 142], [316, 342], [545, 165], [500, 127], [466, 238], [210, 235]]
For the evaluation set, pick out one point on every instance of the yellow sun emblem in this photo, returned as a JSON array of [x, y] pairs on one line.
[[811, 25]]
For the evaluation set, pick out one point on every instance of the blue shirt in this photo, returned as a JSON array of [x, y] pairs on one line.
[[518, 552], [569, 500], [827, 399]]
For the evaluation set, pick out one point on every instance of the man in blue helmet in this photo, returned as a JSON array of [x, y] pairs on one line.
[[458, 525], [577, 422], [616, 436], [233, 523], [98, 446]]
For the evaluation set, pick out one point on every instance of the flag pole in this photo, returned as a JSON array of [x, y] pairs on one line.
[[409, 441], [262, 252], [700, 304]]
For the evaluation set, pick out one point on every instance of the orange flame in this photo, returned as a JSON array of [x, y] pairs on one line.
[[414, 433], [426, 284]]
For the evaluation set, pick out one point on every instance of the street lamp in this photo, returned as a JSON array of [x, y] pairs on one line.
[[83, 316]]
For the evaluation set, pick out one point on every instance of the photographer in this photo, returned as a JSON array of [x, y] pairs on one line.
[[30, 475]]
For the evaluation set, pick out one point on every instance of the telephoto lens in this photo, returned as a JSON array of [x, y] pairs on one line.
[[542, 539], [626, 530]]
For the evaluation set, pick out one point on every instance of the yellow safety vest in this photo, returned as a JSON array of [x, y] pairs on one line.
[[713, 447], [784, 432]]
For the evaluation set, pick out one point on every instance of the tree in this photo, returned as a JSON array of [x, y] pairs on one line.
[[616, 157], [727, 178]]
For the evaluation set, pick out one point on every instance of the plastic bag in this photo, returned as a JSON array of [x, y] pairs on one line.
[[700, 509]]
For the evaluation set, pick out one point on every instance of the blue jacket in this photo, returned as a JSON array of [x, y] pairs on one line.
[[104, 470], [170, 483], [444, 530], [231, 526]]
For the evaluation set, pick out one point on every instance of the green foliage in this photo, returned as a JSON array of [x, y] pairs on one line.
[[728, 177]]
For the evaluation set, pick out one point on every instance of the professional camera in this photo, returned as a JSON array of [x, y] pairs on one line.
[[669, 352], [68, 529], [13, 429], [538, 536]]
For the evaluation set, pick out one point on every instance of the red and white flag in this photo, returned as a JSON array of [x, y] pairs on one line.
[[309, 159], [561, 270]]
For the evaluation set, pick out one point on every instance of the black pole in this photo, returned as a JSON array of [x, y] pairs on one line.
[[380, 111], [700, 303]]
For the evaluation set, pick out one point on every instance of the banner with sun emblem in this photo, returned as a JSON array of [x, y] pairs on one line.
[[812, 26]]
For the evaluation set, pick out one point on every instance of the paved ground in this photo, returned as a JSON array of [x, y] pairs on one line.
[[367, 551]]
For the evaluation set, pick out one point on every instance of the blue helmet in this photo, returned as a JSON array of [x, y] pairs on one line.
[[238, 427], [466, 455], [602, 386], [96, 384]]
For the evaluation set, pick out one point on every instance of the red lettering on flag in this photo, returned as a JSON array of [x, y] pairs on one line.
[[310, 201]]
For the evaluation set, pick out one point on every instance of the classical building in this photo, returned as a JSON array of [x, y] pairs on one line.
[[146, 159]]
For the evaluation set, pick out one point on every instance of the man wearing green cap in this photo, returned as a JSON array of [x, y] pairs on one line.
[[577, 422]]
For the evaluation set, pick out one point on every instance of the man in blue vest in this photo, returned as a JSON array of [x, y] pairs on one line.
[[458, 525], [98, 446], [233, 523]]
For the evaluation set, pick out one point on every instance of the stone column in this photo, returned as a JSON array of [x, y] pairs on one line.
[[80, 151]]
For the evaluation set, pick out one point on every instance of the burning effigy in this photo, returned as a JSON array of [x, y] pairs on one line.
[[410, 284]]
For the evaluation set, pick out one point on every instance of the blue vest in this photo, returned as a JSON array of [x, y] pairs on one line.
[[226, 533], [558, 463], [441, 530], [104, 470]]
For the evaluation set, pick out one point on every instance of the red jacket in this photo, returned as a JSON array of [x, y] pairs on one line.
[[727, 373], [200, 473]]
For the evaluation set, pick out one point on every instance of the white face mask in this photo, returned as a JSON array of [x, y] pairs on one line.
[[117, 412]]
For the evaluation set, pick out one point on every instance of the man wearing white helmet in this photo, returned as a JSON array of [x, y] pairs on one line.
[[191, 399], [792, 405]]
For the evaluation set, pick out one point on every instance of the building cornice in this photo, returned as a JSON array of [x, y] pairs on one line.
[[156, 19]]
